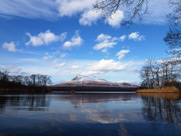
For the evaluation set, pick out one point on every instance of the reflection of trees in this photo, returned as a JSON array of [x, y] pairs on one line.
[[23, 102], [161, 109]]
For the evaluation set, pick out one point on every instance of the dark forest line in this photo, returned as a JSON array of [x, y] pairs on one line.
[[28, 84]]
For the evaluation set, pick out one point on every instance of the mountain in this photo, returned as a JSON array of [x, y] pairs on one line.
[[78, 83]]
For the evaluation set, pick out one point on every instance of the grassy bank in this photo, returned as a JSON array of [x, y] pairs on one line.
[[169, 96], [171, 89]]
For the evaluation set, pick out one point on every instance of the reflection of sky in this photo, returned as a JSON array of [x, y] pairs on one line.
[[58, 111]]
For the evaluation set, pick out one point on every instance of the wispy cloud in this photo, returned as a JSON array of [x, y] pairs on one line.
[[57, 65], [104, 66], [72, 7], [12, 68], [47, 57], [54, 9], [44, 9], [121, 54], [75, 66]]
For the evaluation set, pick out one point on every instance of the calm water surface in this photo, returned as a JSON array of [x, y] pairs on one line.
[[123, 114]]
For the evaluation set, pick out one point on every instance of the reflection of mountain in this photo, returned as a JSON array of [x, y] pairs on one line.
[[24, 102], [79, 83], [90, 114], [162, 108], [96, 98]]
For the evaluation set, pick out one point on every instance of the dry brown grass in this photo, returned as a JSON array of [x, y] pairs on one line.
[[171, 89], [170, 96]]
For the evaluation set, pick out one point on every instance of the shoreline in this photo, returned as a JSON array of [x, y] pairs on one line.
[[171, 89]]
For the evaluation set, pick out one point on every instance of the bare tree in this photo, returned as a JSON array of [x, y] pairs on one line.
[[155, 74], [33, 79], [27, 81], [145, 76], [46, 80], [135, 9], [173, 36]]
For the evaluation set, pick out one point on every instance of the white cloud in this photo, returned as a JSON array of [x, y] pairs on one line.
[[157, 12], [13, 69], [104, 66], [115, 19], [104, 45], [105, 42], [136, 36], [75, 41], [59, 65], [47, 57], [44, 9], [52, 9], [72, 7], [10, 46], [121, 54], [63, 55], [89, 17], [107, 65], [122, 38], [56, 64], [103, 37], [75, 66], [45, 38], [90, 73]]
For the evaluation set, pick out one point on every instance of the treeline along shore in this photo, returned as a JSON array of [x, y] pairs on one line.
[[35, 83], [162, 76]]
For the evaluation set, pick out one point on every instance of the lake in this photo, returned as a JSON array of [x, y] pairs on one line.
[[90, 114]]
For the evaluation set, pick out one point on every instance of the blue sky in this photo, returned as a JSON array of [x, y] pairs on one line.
[[47, 38]]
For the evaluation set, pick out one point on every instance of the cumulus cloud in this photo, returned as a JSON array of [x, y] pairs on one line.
[[115, 19], [45, 38], [122, 38], [10, 46], [75, 41], [121, 54], [89, 17], [105, 42], [136, 36]]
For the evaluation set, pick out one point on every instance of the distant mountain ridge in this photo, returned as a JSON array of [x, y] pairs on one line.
[[88, 82]]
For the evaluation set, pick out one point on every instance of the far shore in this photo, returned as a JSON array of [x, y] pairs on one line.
[[171, 89], [24, 90]]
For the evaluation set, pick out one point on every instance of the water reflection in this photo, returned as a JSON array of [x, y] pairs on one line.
[[90, 114], [24, 102], [162, 107], [97, 98]]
